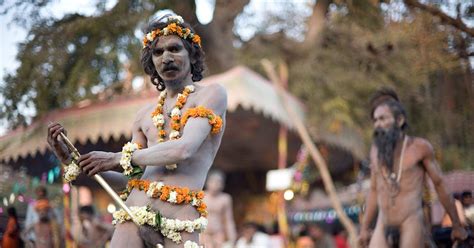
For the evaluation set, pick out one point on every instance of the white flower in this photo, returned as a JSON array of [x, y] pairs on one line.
[[191, 88], [174, 134], [173, 196], [158, 120], [171, 166], [175, 112], [151, 219], [71, 172], [160, 185], [191, 244], [194, 202], [163, 94], [165, 31], [149, 37], [176, 18], [126, 158]]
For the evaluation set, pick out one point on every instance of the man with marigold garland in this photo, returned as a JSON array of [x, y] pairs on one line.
[[174, 143]]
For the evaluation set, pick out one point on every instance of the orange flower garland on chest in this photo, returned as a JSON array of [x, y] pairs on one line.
[[159, 119]]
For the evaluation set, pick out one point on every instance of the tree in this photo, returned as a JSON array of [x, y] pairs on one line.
[[338, 53]]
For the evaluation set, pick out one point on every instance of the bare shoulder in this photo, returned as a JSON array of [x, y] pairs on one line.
[[213, 96], [213, 90], [143, 111], [423, 145], [226, 198]]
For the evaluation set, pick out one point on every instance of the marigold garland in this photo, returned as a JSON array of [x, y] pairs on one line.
[[171, 194], [159, 119], [214, 120], [174, 27]]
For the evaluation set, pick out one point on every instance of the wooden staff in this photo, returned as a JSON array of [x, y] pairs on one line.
[[313, 152], [75, 156]]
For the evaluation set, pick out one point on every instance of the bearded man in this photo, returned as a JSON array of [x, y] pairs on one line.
[[174, 142], [398, 165]]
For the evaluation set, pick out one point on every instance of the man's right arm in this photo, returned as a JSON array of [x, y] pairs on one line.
[[98, 161]]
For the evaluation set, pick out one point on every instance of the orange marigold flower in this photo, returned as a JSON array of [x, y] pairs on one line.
[[175, 126], [179, 199], [179, 31], [200, 195], [185, 190], [197, 39], [162, 133], [172, 27], [175, 118], [163, 197]]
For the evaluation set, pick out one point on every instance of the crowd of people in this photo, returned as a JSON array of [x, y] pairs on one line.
[[43, 226]]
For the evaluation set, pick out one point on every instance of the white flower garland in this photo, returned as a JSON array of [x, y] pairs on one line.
[[187, 244], [126, 159], [71, 171], [191, 244], [170, 228]]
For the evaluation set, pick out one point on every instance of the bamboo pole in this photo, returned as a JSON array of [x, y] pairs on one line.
[[314, 152], [75, 155]]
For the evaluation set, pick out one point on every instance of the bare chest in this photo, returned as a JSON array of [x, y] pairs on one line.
[[407, 171], [150, 131]]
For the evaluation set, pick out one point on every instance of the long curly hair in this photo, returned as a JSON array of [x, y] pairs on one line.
[[196, 55]]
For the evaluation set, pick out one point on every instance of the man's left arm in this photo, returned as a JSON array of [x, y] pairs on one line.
[[195, 132], [434, 172]]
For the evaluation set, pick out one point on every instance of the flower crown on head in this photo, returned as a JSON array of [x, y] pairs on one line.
[[174, 27]]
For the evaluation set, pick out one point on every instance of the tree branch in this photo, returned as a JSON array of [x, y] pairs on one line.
[[455, 22]]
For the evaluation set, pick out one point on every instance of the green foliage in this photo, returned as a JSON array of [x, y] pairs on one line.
[[365, 44]]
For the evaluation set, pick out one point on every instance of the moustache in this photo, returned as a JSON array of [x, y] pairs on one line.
[[170, 67], [380, 132]]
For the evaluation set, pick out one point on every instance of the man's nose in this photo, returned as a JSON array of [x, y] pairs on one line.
[[377, 124], [167, 58]]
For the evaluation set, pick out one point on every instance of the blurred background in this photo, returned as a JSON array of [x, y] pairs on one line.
[[78, 63]]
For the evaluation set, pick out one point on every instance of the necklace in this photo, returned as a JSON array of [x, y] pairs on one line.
[[393, 180], [159, 119]]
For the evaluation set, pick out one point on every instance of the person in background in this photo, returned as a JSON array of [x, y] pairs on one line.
[[220, 231], [89, 231], [11, 237], [320, 237], [340, 238], [253, 238], [46, 231]]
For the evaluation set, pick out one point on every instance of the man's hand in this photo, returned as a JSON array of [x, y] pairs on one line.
[[95, 162], [364, 237], [150, 236], [458, 233], [58, 146]]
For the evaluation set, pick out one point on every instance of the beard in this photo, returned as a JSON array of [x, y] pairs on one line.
[[385, 140]]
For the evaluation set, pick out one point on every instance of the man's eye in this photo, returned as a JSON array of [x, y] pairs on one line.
[[157, 51], [174, 49]]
